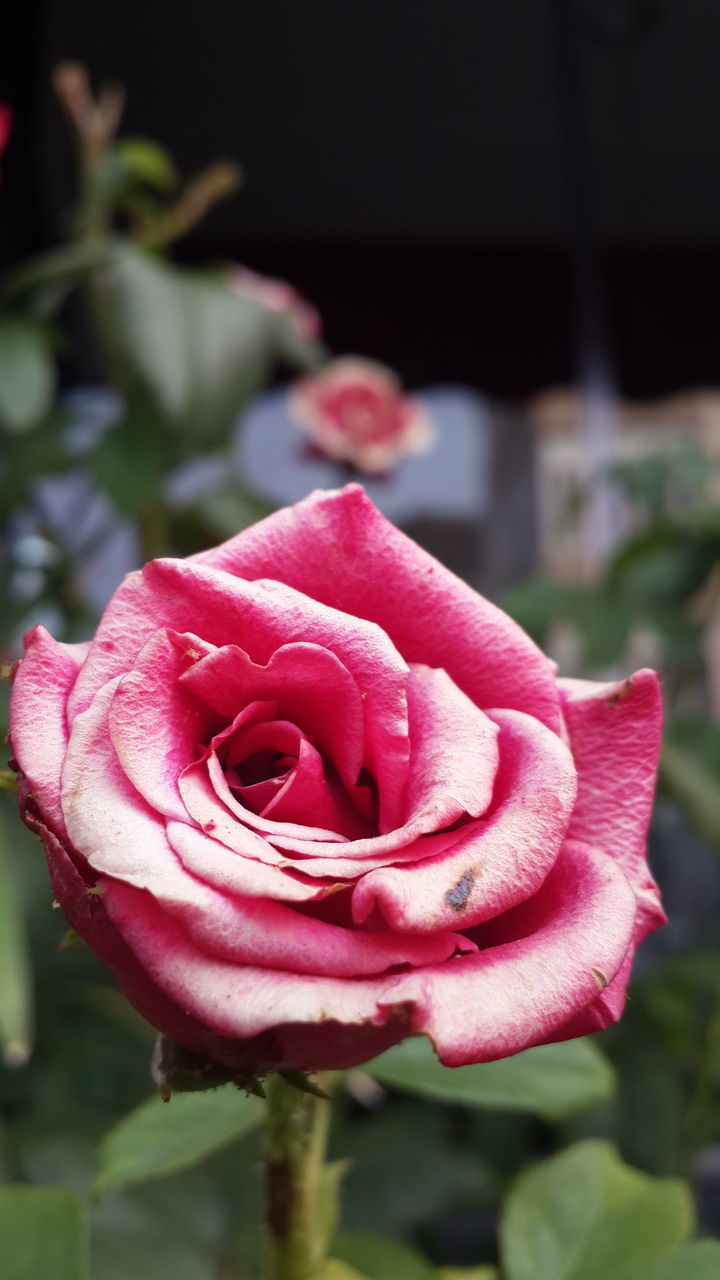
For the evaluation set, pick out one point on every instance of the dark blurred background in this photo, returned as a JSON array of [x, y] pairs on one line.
[[439, 179]]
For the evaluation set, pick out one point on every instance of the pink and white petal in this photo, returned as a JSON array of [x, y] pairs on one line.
[[115, 830], [615, 732], [261, 616], [237, 1001], [220, 865], [211, 803], [86, 913], [122, 838], [496, 862], [311, 687], [607, 1007], [539, 969], [42, 683], [310, 796], [156, 723], [337, 548], [454, 757], [256, 931]]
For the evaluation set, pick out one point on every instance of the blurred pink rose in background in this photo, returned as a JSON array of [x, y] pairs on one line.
[[278, 295], [355, 411]]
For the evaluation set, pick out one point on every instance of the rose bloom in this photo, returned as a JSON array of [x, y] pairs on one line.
[[355, 411], [277, 295], [307, 794]]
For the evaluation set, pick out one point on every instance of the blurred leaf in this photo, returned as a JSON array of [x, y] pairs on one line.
[[381, 1259], [664, 562], [131, 1239], [695, 788], [132, 457], [15, 986], [387, 1185], [27, 373], [43, 1234], [333, 1269], [465, 1273], [553, 1080], [699, 1260], [158, 1138], [584, 1215], [199, 349]]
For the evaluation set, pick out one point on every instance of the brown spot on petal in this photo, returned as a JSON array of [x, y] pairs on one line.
[[620, 693], [457, 896], [601, 979]]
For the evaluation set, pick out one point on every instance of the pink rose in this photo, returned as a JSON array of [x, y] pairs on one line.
[[308, 793], [277, 295], [355, 411]]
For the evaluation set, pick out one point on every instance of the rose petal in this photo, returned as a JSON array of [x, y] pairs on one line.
[[338, 548], [311, 686], [42, 682], [540, 968], [218, 864], [152, 705], [454, 757], [262, 616], [498, 861], [615, 731]]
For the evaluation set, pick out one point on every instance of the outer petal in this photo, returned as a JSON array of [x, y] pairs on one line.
[[38, 723], [498, 861], [337, 548], [540, 966], [615, 732]]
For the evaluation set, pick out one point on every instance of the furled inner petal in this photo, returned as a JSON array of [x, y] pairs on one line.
[[261, 616], [454, 758], [156, 723], [312, 688], [497, 861]]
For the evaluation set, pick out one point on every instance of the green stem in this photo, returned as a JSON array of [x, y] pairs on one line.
[[297, 1131]]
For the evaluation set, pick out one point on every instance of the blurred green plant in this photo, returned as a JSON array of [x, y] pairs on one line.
[[184, 349]]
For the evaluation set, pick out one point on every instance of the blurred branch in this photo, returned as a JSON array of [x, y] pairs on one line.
[[210, 186]]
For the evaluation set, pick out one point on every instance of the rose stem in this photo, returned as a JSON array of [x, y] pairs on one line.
[[297, 1132]]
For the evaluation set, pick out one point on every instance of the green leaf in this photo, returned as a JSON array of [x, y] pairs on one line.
[[695, 787], [27, 373], [158, 1138], [334, 1269], [132, 457], [473, 1273], [584, 1215], [16, 1019], [43, 1234], [381, 1259], [197, 348], [553, 1080], [697, 1261]]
